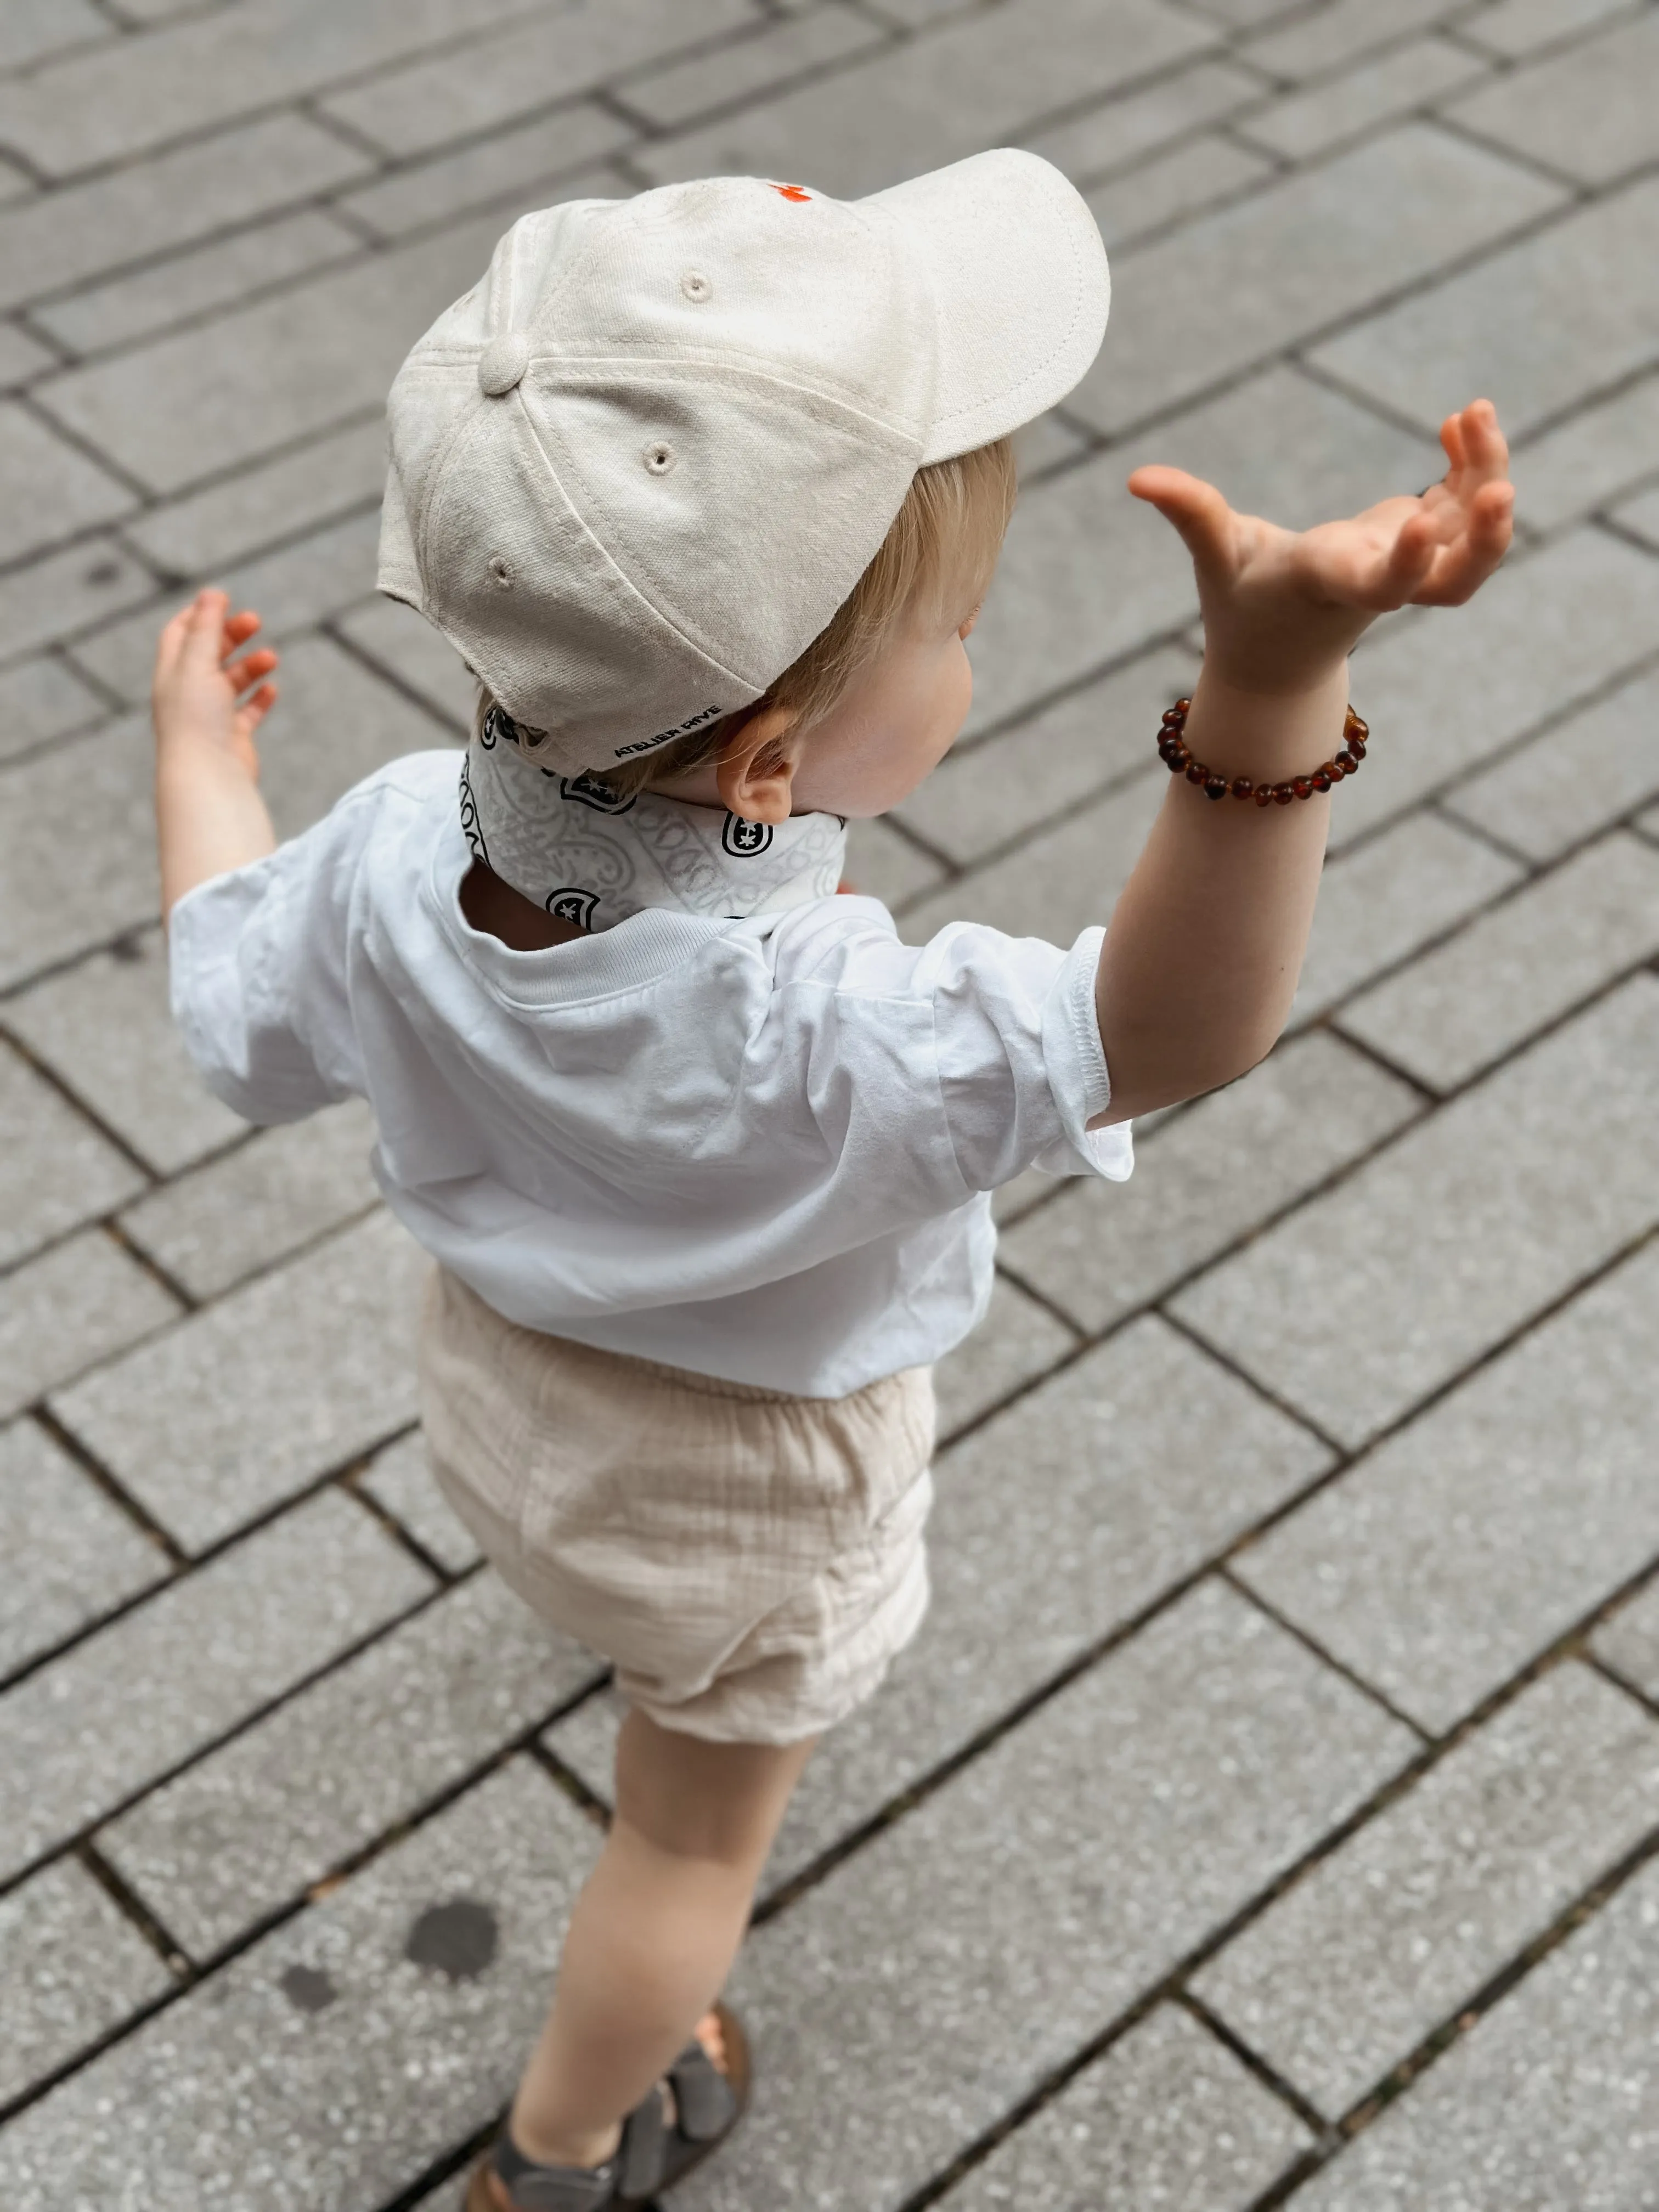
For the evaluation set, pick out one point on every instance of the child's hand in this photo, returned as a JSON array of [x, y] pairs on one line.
[[199, 693], [1282, 608]]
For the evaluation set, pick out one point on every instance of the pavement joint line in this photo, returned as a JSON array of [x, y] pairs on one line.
[[116, 1490], [112, 1136], [155, 1931], [1327, 1024], [587, 1799], [721, 111], [1286, 2090], [351, 1485], [1310, 1643], [1531, 868], [329, 628], [117, 1230], [1581, 191]]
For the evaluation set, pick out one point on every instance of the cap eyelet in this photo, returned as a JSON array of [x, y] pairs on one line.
[[659, 457], [697, 286], [501, 571]]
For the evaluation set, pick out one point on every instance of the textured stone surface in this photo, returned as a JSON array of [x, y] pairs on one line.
[[105, 1029], [1517, 967], [1630, 1641], [1328, 38], [73, 1967], [400, 1480], [1572, 780], [1548, 1455], [1516, 27], [1293, 258], [360, 1752], [1405, 78], [157, 1686], [885, 864], [70, 1553], [1590, 458], [1383, 1941], [734, 72], [974, 1945], [196, 537], [1556, 317], [310, 1364], [1018, 1340], [1168, 2120], [528, 165], [1586, 112], [1099, 1250], [1551, 2100], [48, 491], [1458, 1233], [68, 592], [262, 1200], [1117, 132], [976, 82], [1640, 517], [57, 1168], [42, 699], [329, 2022], [1180, 182], [92, 795], [83, 1301], [397, 640], [1387, 899]]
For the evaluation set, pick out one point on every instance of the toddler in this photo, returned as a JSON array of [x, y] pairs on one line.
[[706, 486]]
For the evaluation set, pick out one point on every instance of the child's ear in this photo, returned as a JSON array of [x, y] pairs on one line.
[[756, 774]]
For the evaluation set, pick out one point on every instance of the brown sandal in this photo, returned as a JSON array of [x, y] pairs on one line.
[[655, 2152]]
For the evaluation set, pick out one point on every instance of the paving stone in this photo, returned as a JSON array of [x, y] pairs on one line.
[[1168, 2119], [1304, 1113], [1059, 882], [248, 1828], [1590, 459], [1641, 516], [84, 1301], [1016, 1341], [197, 403], [41, 699], [1536, 328], [74, 1967], [933, 1980], [157, 1685], [1383, 1941], [1328, 38], [290, 590], [548, 159], [57, 1171], [130, 94], [201, 535], [1118, 131], [1546, 1455], [882, 862], [979, 81], [1048, 443], [399, 1479], [325, 2067], [1552, 2099], [62, 238], [21, 358], [1516, 27], [311, 1365], [559, 51], [1629, 1642], [104, 1028], [282, 1189], [1381, 902], [1181, 182], [449, 2195], [338, 723], [1293, 258], [71, 1552], [776, 55], [48, 491], [1515, 969], [56, 598], [195, 283], [417, 657], [92, 796], [32, 28], [1456, 1234], [1442, 695], [1143, 1461], [1088, 575], [983, 796], [1403, 78], [1586, 112]]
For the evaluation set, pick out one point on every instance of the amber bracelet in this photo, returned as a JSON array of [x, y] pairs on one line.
[[1178, 759]]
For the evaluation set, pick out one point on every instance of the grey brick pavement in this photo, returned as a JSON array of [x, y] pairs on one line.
[[1289, 1694]]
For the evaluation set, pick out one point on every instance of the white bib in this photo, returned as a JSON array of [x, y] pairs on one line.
[[573, 846]]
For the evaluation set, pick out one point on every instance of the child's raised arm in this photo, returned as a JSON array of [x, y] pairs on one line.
[[1201, 963], [206, 706]]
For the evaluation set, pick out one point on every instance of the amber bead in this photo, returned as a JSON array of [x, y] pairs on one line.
[[1321, 778], [1175, 762], [1174, 717], [1356, 728], [1344, 763], [1215, 786], [1264, 794], [1357, 748], [1242, 787], [1196, 772], [1302, 786], [1283, 794], [1182, 706]]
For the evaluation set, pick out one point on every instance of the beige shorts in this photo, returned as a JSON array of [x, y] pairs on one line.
[[750, 1562]]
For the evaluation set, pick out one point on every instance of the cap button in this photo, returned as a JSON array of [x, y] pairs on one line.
[[502, 362]]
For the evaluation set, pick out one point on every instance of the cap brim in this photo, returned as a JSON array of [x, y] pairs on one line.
[[1018, 273]]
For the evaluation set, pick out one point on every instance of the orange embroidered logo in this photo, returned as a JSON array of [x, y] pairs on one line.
[[791, 193]]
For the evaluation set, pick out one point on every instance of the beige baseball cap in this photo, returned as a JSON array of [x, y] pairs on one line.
[[637, 469]]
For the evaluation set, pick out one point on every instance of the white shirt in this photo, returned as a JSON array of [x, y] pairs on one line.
[[761, 1149]]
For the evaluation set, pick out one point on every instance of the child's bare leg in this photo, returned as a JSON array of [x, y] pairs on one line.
[[653, 1933]]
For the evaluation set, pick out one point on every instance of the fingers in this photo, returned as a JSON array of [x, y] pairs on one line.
[[1194, 507], [251, 667]]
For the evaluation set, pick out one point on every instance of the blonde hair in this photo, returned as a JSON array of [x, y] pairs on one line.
[[937, 557]]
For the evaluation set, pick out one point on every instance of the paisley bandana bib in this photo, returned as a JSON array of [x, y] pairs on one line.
[[591, 858]]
